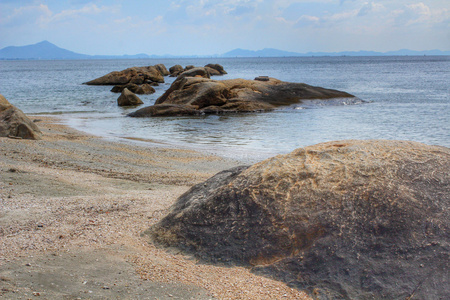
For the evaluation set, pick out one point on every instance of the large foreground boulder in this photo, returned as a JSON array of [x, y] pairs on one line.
[[15, 124], [238, 95], [341, 220]]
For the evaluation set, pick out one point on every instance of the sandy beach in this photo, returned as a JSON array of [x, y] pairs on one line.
[[74, 206]]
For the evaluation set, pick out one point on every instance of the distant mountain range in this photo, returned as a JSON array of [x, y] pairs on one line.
[[46, 50], [269, 52]]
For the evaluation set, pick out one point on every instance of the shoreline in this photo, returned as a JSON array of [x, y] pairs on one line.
[[243, 154], [74, 206]]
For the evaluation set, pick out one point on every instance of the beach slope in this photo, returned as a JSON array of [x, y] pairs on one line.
[[72, 211]]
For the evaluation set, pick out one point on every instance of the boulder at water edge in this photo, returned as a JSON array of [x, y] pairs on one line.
[[127, 98], [143, 89], [176, 70], [14, 123], [210, 69], [216, 69], [341, 220], [136, 75], [194, 89]]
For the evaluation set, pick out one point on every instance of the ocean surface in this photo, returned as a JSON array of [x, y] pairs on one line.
[[408, 98]]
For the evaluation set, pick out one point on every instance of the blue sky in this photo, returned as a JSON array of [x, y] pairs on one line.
[[202, 27]]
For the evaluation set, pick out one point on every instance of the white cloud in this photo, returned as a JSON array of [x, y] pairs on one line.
[[342, 16], [90, 9], [137, 26], [306, 20], [419, 13], [26, 14], [42, 15], [370, 7]]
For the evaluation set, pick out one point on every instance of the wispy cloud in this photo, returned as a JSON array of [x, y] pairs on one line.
[[26, 14], [90, 9], [206, 26], [420, 13]]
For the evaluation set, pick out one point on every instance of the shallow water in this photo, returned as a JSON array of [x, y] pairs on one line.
[[409, 99]]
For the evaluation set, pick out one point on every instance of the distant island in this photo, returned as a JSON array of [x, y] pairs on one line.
[[47, 51]]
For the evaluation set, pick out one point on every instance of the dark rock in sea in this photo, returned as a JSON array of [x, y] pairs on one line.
[[143, 89], [162, 69], [218, 68], [128, 98], [136, 75], [175, 70], [238, 95], [340, 220], [138, 79], [211, 69], [15, 124], [195, 72], [151, 83], [212, 72]]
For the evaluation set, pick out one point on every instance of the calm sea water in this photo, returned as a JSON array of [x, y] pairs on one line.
[[409, 99]]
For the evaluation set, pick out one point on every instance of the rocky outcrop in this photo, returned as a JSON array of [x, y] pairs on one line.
[[136, 75], [341, 220], [211, 69], [195, 72], [238, 95], [127, 98], [216, 69], [15, 124], [176, 70], [143, 89], [162, 69]]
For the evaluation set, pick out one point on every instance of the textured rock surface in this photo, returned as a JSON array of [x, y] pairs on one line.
[[136, 75], [342, 220], [209, 69], [143, 89], [127, 98], [14, 123], [195, 72], [238, 95], [175, 70], [218, 68], [162, 69]]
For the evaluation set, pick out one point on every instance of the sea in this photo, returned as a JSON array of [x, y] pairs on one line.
[[404, 98]]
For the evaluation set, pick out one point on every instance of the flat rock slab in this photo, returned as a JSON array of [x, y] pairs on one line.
[[340, 220], [207, 96], [136, 75], [85, 275]]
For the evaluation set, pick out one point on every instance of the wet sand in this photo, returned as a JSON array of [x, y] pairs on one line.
[[72, 210]]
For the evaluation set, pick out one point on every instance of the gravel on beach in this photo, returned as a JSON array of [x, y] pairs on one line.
[[72, 210]]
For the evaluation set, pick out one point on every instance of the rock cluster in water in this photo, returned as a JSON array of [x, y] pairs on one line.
[[15, 124], [136, 75], [140, 80], [341, 220], [194, 93]]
